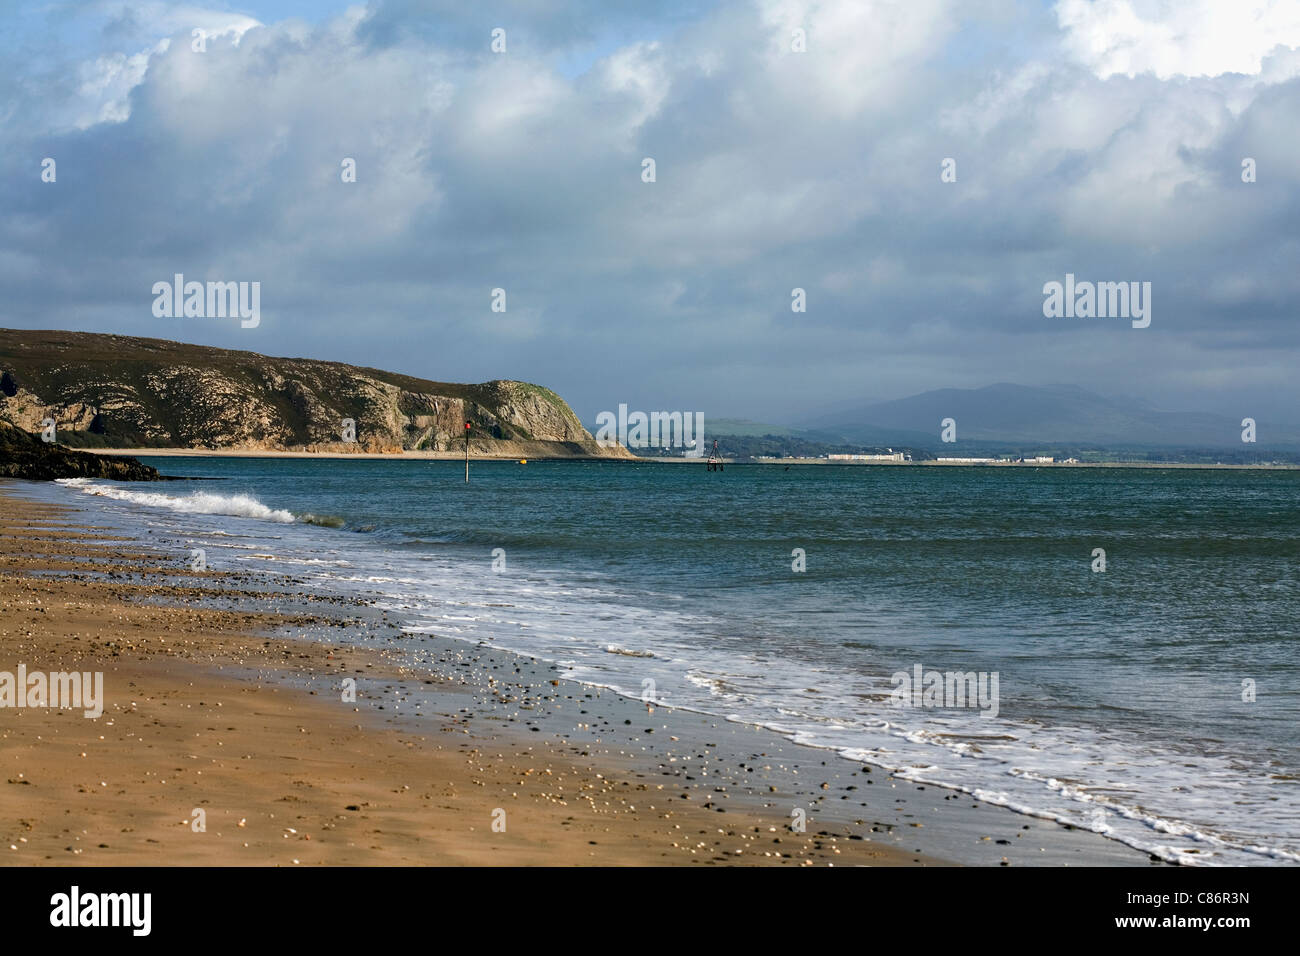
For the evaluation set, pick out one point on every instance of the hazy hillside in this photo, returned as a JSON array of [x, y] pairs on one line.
[[1060, 415], [112, 390]]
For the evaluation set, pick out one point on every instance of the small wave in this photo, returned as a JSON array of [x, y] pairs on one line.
[[324, 521], [615, 649], [200, 502]]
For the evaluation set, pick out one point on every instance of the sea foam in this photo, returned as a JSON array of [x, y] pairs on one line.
[[239, 506]]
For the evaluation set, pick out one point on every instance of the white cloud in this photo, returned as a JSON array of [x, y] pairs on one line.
[[639, 73], [106, 85], [1177, 37], [858, 54], [162, 19], [106, 81]]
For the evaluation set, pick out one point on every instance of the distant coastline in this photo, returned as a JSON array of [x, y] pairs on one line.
[[408, 455], [1263, 466], [412, 455]]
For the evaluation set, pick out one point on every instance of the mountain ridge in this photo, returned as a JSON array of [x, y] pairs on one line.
[[1051, 415]]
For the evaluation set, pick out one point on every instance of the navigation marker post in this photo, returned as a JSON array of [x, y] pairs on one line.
[[715, 460], [467, 453]]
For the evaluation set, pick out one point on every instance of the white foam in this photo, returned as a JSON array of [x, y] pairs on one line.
[[237, 506], [626, 652]]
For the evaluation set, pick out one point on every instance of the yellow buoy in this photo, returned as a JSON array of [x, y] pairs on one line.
[[523, 461]]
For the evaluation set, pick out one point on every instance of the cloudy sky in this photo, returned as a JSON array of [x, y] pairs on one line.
[[1103, 139]]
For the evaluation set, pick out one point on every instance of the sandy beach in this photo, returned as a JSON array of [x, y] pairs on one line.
[[236, 712], [223, 694]]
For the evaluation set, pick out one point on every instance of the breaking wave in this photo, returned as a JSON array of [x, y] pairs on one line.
[[240, 506]]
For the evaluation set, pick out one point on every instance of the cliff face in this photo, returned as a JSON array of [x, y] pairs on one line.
[[118, 391]]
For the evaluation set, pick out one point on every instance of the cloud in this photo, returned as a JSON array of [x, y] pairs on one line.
[[1177, 37], [775, 169]]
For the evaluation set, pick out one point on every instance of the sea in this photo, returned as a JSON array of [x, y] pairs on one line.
[[1141, 623]]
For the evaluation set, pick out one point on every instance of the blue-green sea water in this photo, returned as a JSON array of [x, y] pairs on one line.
[[1157, 701]]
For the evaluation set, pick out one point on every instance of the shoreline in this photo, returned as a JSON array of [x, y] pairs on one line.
[[635, 779], [452, 456], [236, 713], [821, 462], [411, 455]]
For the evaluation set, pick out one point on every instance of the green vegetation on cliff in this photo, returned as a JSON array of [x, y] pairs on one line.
[[119, 391]]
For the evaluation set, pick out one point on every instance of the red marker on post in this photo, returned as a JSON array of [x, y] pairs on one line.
[[467, 452]]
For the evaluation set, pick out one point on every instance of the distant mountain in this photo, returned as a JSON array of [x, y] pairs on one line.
[[743, 427], [114, 390], [1045, 416]]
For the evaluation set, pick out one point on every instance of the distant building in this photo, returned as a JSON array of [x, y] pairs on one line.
[[895, 456]]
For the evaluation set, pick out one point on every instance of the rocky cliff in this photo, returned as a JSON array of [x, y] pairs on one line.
[[23, 455], [119, 391]]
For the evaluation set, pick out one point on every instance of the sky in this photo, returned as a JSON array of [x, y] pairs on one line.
[[1099, 138]]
